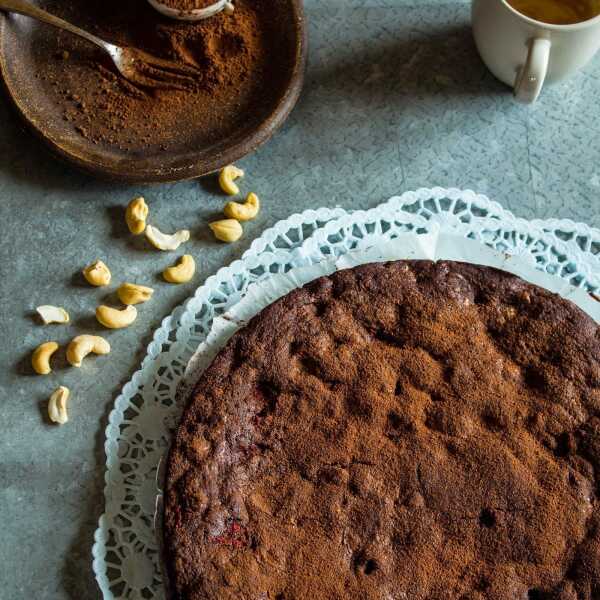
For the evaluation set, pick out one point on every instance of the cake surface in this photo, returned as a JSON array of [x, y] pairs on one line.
[[398, 431]]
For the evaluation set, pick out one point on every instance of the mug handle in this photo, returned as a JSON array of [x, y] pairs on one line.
[[531, 76]]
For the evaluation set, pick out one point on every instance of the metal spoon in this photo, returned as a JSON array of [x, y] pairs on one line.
[[195, 14], [137, 66]]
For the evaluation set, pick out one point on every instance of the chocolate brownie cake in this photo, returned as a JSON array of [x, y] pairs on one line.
[[399, 431]]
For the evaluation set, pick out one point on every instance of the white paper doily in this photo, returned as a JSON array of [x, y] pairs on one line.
[[125, 553]]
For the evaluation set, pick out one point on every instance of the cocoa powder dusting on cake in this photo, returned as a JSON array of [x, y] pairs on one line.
[[231, 52], [409, 430]]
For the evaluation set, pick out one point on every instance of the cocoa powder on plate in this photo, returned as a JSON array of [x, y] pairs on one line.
[[236, 54]]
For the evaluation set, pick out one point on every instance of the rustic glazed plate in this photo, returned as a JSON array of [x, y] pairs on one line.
[[188, 146]]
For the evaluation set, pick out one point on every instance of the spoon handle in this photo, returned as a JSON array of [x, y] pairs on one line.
[[30, 10]]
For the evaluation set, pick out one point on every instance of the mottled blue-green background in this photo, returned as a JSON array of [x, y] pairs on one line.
[[395, 98]]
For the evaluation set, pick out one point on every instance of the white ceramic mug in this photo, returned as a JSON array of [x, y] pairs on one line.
[[524, 53]]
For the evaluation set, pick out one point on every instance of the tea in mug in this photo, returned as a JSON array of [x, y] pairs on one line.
[[558, 12]]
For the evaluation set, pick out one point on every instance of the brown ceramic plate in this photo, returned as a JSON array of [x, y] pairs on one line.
[[193, 146]]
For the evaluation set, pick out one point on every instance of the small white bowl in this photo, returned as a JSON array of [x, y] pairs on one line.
[[192, 15]]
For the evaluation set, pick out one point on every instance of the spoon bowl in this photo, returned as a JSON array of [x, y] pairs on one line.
[[196, 14]]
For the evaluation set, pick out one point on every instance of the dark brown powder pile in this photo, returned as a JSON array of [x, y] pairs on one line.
[[402, 431], [234, 53], [187, 4]]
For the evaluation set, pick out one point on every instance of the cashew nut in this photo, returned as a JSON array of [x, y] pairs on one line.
[[227, 230], [57, 405], [136, 215], [182, 272], [131, 293], [83, 345], [227, 176], [243, 212], [40, 359], [113, 318], [97, 274], [163, 241], [52, 314], [229, 8]]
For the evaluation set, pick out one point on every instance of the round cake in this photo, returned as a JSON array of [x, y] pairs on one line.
[[400, 431]]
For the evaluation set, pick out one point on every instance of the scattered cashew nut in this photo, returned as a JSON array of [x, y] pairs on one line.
[[113, 318], [40, 359], [52, 314], [131, 293], [243, 212], [227, 176], [182, 272], [97, 274], [83, 345], [164, 241], [227, 230], [57, 405], [136, 215]]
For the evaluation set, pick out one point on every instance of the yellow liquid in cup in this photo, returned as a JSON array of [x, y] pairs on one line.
[[558, 12]]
